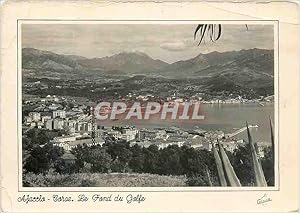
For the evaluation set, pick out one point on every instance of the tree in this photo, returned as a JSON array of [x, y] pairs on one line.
[[42, 138], [62, 167], [121, 155], [53, 152], [169, 161], [268, 166], [191, 162], [37, 162], [242, 165], [137, 161], [80, 152], [37, 137], [151, 161], [100, 160], [41, 159], [26, 148]]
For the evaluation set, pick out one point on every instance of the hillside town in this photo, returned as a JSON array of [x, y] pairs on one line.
[[52, 113], [111, 88], [144, 113]]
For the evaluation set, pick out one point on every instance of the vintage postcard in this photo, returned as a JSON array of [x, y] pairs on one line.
[[172, 107]]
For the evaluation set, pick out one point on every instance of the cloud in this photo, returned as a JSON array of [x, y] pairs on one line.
[[167, 42], [174, 46]]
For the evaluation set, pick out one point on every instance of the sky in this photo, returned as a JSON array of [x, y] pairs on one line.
[[169, 43]]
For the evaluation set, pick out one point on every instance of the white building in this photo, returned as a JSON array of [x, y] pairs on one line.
[[99, 132], [45, 118], [35, 116], [58, 124], [115, 134], [230, 146], [197, 145], [78, 126], [63, 139], [53, 106], [50, 98], [71, 123], [127, 137], [32, 124], [49, 124], [59, 113], [89, 127], [162, 145], [68, 145], [129, 134], [85, 126], [27, 120]]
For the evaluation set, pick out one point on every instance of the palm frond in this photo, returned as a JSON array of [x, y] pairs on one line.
[[230, 173], [221, 174], [272, 134], [211, 31], [208, 176], [257, 168]]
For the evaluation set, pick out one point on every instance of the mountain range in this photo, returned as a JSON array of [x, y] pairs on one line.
[[251, 63]]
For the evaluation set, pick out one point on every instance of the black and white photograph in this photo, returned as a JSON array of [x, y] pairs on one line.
[[137, 104]]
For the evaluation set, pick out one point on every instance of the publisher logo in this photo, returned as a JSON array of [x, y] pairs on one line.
[[147, 110]]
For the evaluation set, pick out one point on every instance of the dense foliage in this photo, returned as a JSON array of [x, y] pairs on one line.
[[52, 179], [198, 166]]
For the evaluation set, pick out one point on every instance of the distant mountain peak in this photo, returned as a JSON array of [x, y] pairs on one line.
[[130, 54], [135, 52], [136, 62]]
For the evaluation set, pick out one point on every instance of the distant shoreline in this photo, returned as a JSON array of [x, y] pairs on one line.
[[250, 102]]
